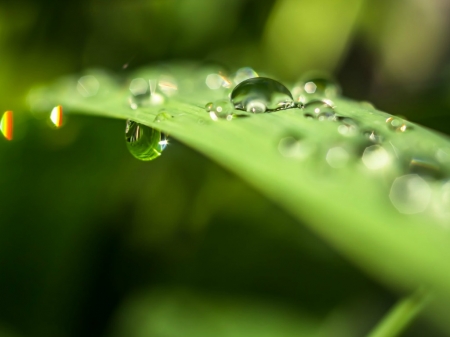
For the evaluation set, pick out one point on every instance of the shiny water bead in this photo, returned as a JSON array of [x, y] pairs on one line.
[[143, 93], [261, 94], [143, 142], [315, 87], [88, 86], [244, 74], [397, 124], [6, 125], [321, 110], [220, 109], [373, 136], [410, 194], [56, 116], [348, 126]]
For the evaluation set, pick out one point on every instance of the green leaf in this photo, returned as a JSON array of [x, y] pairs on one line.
[[347, 206]]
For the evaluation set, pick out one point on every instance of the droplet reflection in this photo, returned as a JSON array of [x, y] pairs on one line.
[[6, 125], [375, 157], [143, 142], [88, 86], [56, 116]]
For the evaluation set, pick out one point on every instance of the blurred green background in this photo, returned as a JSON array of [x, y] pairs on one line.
[[95, 243]]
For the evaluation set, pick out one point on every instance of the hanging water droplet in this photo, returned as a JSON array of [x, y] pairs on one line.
[[337, 157], [6, 125], [321, 110], [397, 124], [375, 157], [220, 109], [410, 194], [261, 94], [143, 142], [56, 116], [244, 74], [315, 87], [88, 86]]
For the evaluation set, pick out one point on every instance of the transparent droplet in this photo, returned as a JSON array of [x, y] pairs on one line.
[[163, 116], [260, 91], [56, 116], [375, 157], [397, 124], [410, 194], [337, 157], [321, 110], [244, 74], [88, 86], [143, 142], [168, 85], [315, 87], [293, 147], [220, 109], [6, 125], [143, 93]]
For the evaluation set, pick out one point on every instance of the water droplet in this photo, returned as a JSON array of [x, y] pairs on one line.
[[56, 116], [410, 194], [337, 157], [293, 147], [6, 125], [315, 87], [375, 157], [426, 167], [163, 116], [88, 86], [217, 81], [443, 155], [322, 110], [143, 142], [261, 94], [168, 85], [220, 109], [143, 93], [397, 124], [244, 74]]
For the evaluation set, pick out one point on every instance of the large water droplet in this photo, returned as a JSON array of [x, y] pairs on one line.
[[143, 142], [220, 109], [6, 125], [315, 87], [321, 110], [410, 194], [56, 116], [261, 94]]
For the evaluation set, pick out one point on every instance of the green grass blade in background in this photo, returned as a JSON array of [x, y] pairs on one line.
[[347, 206]]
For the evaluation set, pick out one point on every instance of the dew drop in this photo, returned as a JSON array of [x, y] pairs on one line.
[[222, 109], [397, 124], [410, 194], [321, 110], [373, 136], [375, 157], [315, 87], [143, 93], [56, 116], [88, 86], [143, 142], [6, 125], [337, 157], [261, 94], [348, 127]]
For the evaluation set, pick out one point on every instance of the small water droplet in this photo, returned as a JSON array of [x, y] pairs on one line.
[[143, 93], [216, 81], [88, 86], [373, 136], [348, 127], [321, 110], [261, 94], [244, 74], [163, 116], [6, 125], [293, 147], [375, 157], [397, 124], [337, 157], [315, 87], [220, 109], [143, 142], [56, 116], [410, 194]]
